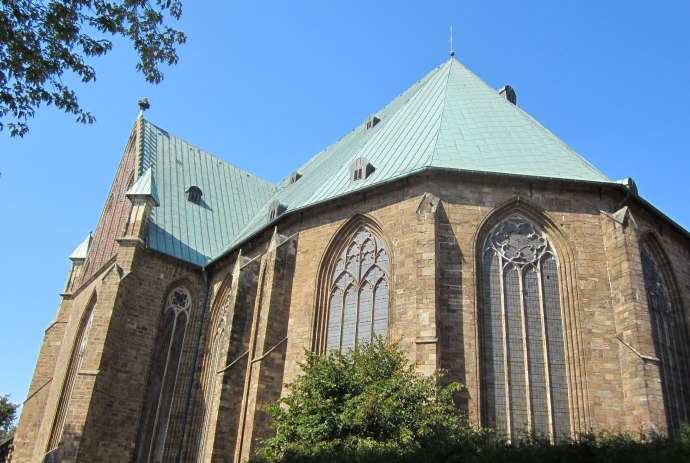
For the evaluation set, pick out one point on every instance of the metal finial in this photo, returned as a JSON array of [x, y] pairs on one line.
[[143, 105], [452, 52]]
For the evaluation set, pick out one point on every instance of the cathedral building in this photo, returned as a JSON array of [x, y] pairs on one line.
[[450, 221]]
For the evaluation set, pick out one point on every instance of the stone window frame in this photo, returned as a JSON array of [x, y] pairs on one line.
[[339, 241], [576, 374], [78, 352], [153, 435], [650, 245], [217, 346], [523, 305]]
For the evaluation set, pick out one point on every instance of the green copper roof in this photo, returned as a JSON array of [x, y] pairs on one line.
[[450, 119], [82, 250], [145, 186], [194, 232]]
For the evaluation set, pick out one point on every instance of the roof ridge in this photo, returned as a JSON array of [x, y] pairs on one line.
[[432, 156], [577, 155], [139, 127]]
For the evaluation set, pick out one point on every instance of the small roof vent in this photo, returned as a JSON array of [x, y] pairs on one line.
[[276, 209], [371, 122], [360, 169], [294, 177], [194, 194], [629, 184], [509, 94]]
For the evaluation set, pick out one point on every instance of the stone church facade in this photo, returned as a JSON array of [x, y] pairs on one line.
[[450, 221]]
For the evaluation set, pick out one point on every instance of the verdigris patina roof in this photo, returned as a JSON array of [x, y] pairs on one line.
[[168, 167], [451, 120], [448, 120]]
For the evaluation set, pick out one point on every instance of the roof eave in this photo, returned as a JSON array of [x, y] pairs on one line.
[[433, 169]]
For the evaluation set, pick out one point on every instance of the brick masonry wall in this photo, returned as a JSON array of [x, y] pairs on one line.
[[230, 396], [599, 365], [673, 253], [28, 434], [111, 225], [264, 374], [431, 227]]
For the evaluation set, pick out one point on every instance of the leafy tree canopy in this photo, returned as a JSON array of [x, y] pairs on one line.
[[41, 40], [8, 412], [366, 399]]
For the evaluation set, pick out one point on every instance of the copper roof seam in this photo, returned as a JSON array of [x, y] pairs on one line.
[[443, 113], [399, 143]]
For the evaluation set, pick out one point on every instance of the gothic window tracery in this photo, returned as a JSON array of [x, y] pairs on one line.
[[217, 346], [76, 360], [164, 375], [358, 292], [524, 378], [666, 337]]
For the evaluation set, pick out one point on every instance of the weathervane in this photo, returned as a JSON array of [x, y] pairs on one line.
[[452, 52]]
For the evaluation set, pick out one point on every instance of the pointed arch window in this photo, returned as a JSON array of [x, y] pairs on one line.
[[358, 292], [666, 333], [524, 379], [161, 387], [217, 347], [76, 360]]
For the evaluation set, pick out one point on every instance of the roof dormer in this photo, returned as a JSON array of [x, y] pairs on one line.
[[194, 194], [360, 169]]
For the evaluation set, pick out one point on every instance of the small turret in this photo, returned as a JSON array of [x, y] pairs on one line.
[[144, 196], [78, 257]]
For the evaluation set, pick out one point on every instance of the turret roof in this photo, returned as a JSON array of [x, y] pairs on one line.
[[83, 249], [145, 186]]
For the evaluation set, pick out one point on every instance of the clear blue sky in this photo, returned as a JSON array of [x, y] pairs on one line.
[[265, 85]]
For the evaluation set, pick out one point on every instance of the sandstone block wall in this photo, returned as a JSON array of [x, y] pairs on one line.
[[432, 227]]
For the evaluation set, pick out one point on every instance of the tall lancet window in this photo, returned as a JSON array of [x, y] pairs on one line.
[[166, 362], [359, 292], [524, 380], [215, 364], [666, 332], [75, 362]]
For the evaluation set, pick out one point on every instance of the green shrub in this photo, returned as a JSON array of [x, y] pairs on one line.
[[368, 402], [370, 406]]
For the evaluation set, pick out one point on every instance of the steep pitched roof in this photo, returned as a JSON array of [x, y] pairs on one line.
[[194, 232], [450, 119]]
